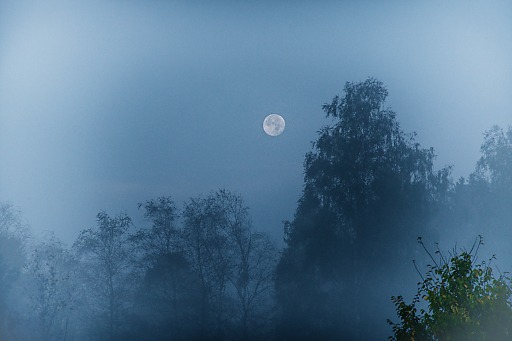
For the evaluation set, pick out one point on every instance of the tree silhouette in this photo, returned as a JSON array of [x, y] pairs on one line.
[[49, 276], [163, 236], [369, 190], [496, 161], [107, 268], [481, 204], [208, 278]]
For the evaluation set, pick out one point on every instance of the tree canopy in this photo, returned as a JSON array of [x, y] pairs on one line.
[[369, 190]]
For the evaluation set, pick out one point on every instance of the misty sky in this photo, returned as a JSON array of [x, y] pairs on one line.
[[104, 104]]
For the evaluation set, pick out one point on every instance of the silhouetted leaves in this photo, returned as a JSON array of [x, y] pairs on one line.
[[369, 190]]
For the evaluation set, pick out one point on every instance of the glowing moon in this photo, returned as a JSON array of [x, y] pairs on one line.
[[273, 124]]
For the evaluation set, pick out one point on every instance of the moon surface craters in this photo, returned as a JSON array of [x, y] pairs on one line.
[[273, 124]]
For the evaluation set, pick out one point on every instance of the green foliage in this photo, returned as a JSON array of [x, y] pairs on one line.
[[465, 302]]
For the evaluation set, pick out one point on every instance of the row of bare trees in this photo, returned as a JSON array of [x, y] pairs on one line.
[[199, 274], [211, 277]]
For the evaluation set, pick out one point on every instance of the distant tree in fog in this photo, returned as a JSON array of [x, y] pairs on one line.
[[234, 266], [13, 235], [167, 302], [207, 278], [251, 269], [163, 236], [208, 249], [481, 204], [49, 285], [496, 161], [167, 299], [107, 269], [496, 166]]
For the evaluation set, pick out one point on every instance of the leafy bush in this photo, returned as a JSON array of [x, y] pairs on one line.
[[465, 302]]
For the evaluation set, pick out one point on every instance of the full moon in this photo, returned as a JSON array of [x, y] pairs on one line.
[[273, 125]]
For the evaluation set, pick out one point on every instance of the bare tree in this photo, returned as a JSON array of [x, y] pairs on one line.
[[253, 281], [166, 305], [234, 265], [163, 236], [106, 265], [207, 249], [49, 285]]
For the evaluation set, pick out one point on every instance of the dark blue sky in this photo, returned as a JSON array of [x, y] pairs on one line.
[[104, 104]]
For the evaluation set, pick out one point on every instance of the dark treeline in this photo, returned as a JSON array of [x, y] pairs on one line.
[[202, 272], [206, 276]]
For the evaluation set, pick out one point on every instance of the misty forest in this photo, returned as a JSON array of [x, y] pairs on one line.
[[365, 256]]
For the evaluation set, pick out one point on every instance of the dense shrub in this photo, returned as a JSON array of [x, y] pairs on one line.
[[465, 302]]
